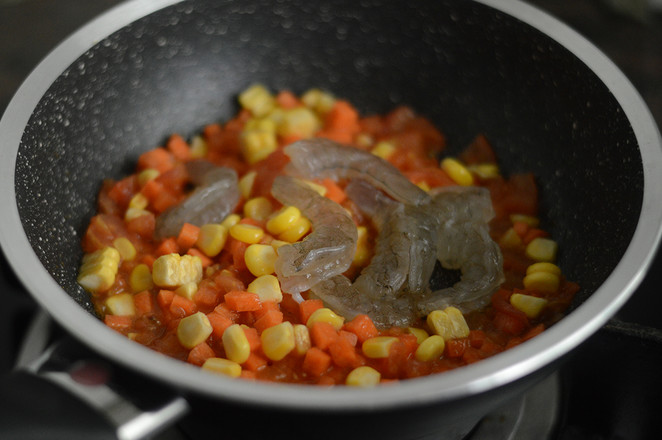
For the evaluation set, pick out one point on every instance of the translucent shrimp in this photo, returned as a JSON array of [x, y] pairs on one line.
[[388, 287], [327, 251], [464, 243], [216, 195], [319, 158]]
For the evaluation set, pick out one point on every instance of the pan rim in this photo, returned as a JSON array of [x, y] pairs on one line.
[[474, 379]]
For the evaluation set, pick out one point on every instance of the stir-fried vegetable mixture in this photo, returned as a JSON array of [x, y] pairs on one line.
[[303, 242]]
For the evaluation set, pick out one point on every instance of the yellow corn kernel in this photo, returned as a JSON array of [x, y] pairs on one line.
[[301, 339], [457, 171], [230, 221], [133, 213], [247, 233], [222, 366], [283, 219], [485, 170], [146, 175], [267, 288], [421, 335], [140, 278], [258, 208], [174, 270], [542, 249], [235, 342], [298, 230], [121, 305], [256, 145], [319, 189], [362, 253], [194, 330], [544, 267], [424, 186], [542, 282], [126, 249], [364, 377], [246, 184], [278, 341], [187, 290], [510, 239], [430, 349], [138, 201], [364, 141], [277, 115], [530, 220], [260, 259], [318, 100], [258, 100], [299, 121], [384, 149], [378, 347], [448, 323], [99, 269], [326, 315], [211, 239], [199, 147], [276, 244], [530, 305]]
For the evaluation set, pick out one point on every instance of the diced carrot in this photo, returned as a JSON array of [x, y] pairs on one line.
[[246, 318], [268, 319], [333, 190], [349, 336], [148, 260], [479, 151], [255, 362], [227, 281], [144, 303], [181, 307], [143, 225], [178, 147], [237, 250], [199, 354], [287, 99], [208, 295], [455, 347], [248, 375], [342, 115], [241, 301], [158, 158], [164, 298], [322, 334], [164, 200], [471, 355], [151, 189], [188, 235], [290, 309], [307, 307], [122, 191], [316, 362], [167, 246], [175, 179], [521, 228], [477, 338], [253, 338], [219, 323], [343, 353], [224, 310], [266, 307], [102, 231], [508, 323], [118, 323], [363, 327], [286, 140]]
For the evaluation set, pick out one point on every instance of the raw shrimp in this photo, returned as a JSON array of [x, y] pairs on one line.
[[387, 289], [327, 251], [319, 158], [216, 195], [464, 243]]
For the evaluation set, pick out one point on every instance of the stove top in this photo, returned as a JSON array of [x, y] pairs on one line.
[[607, 389]]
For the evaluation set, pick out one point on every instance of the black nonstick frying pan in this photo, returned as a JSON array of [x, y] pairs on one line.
[[548, 101]]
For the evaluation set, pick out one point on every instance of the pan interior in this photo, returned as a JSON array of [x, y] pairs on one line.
[[467, 67]]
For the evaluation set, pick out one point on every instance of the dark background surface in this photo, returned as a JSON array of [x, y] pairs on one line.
[[613, 384]]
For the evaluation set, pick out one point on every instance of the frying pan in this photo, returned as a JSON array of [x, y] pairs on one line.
[[549, 101]]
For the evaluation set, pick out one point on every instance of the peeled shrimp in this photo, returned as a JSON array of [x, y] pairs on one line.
[[211, 201], [464, 243], [319, 158], [327, 251]]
